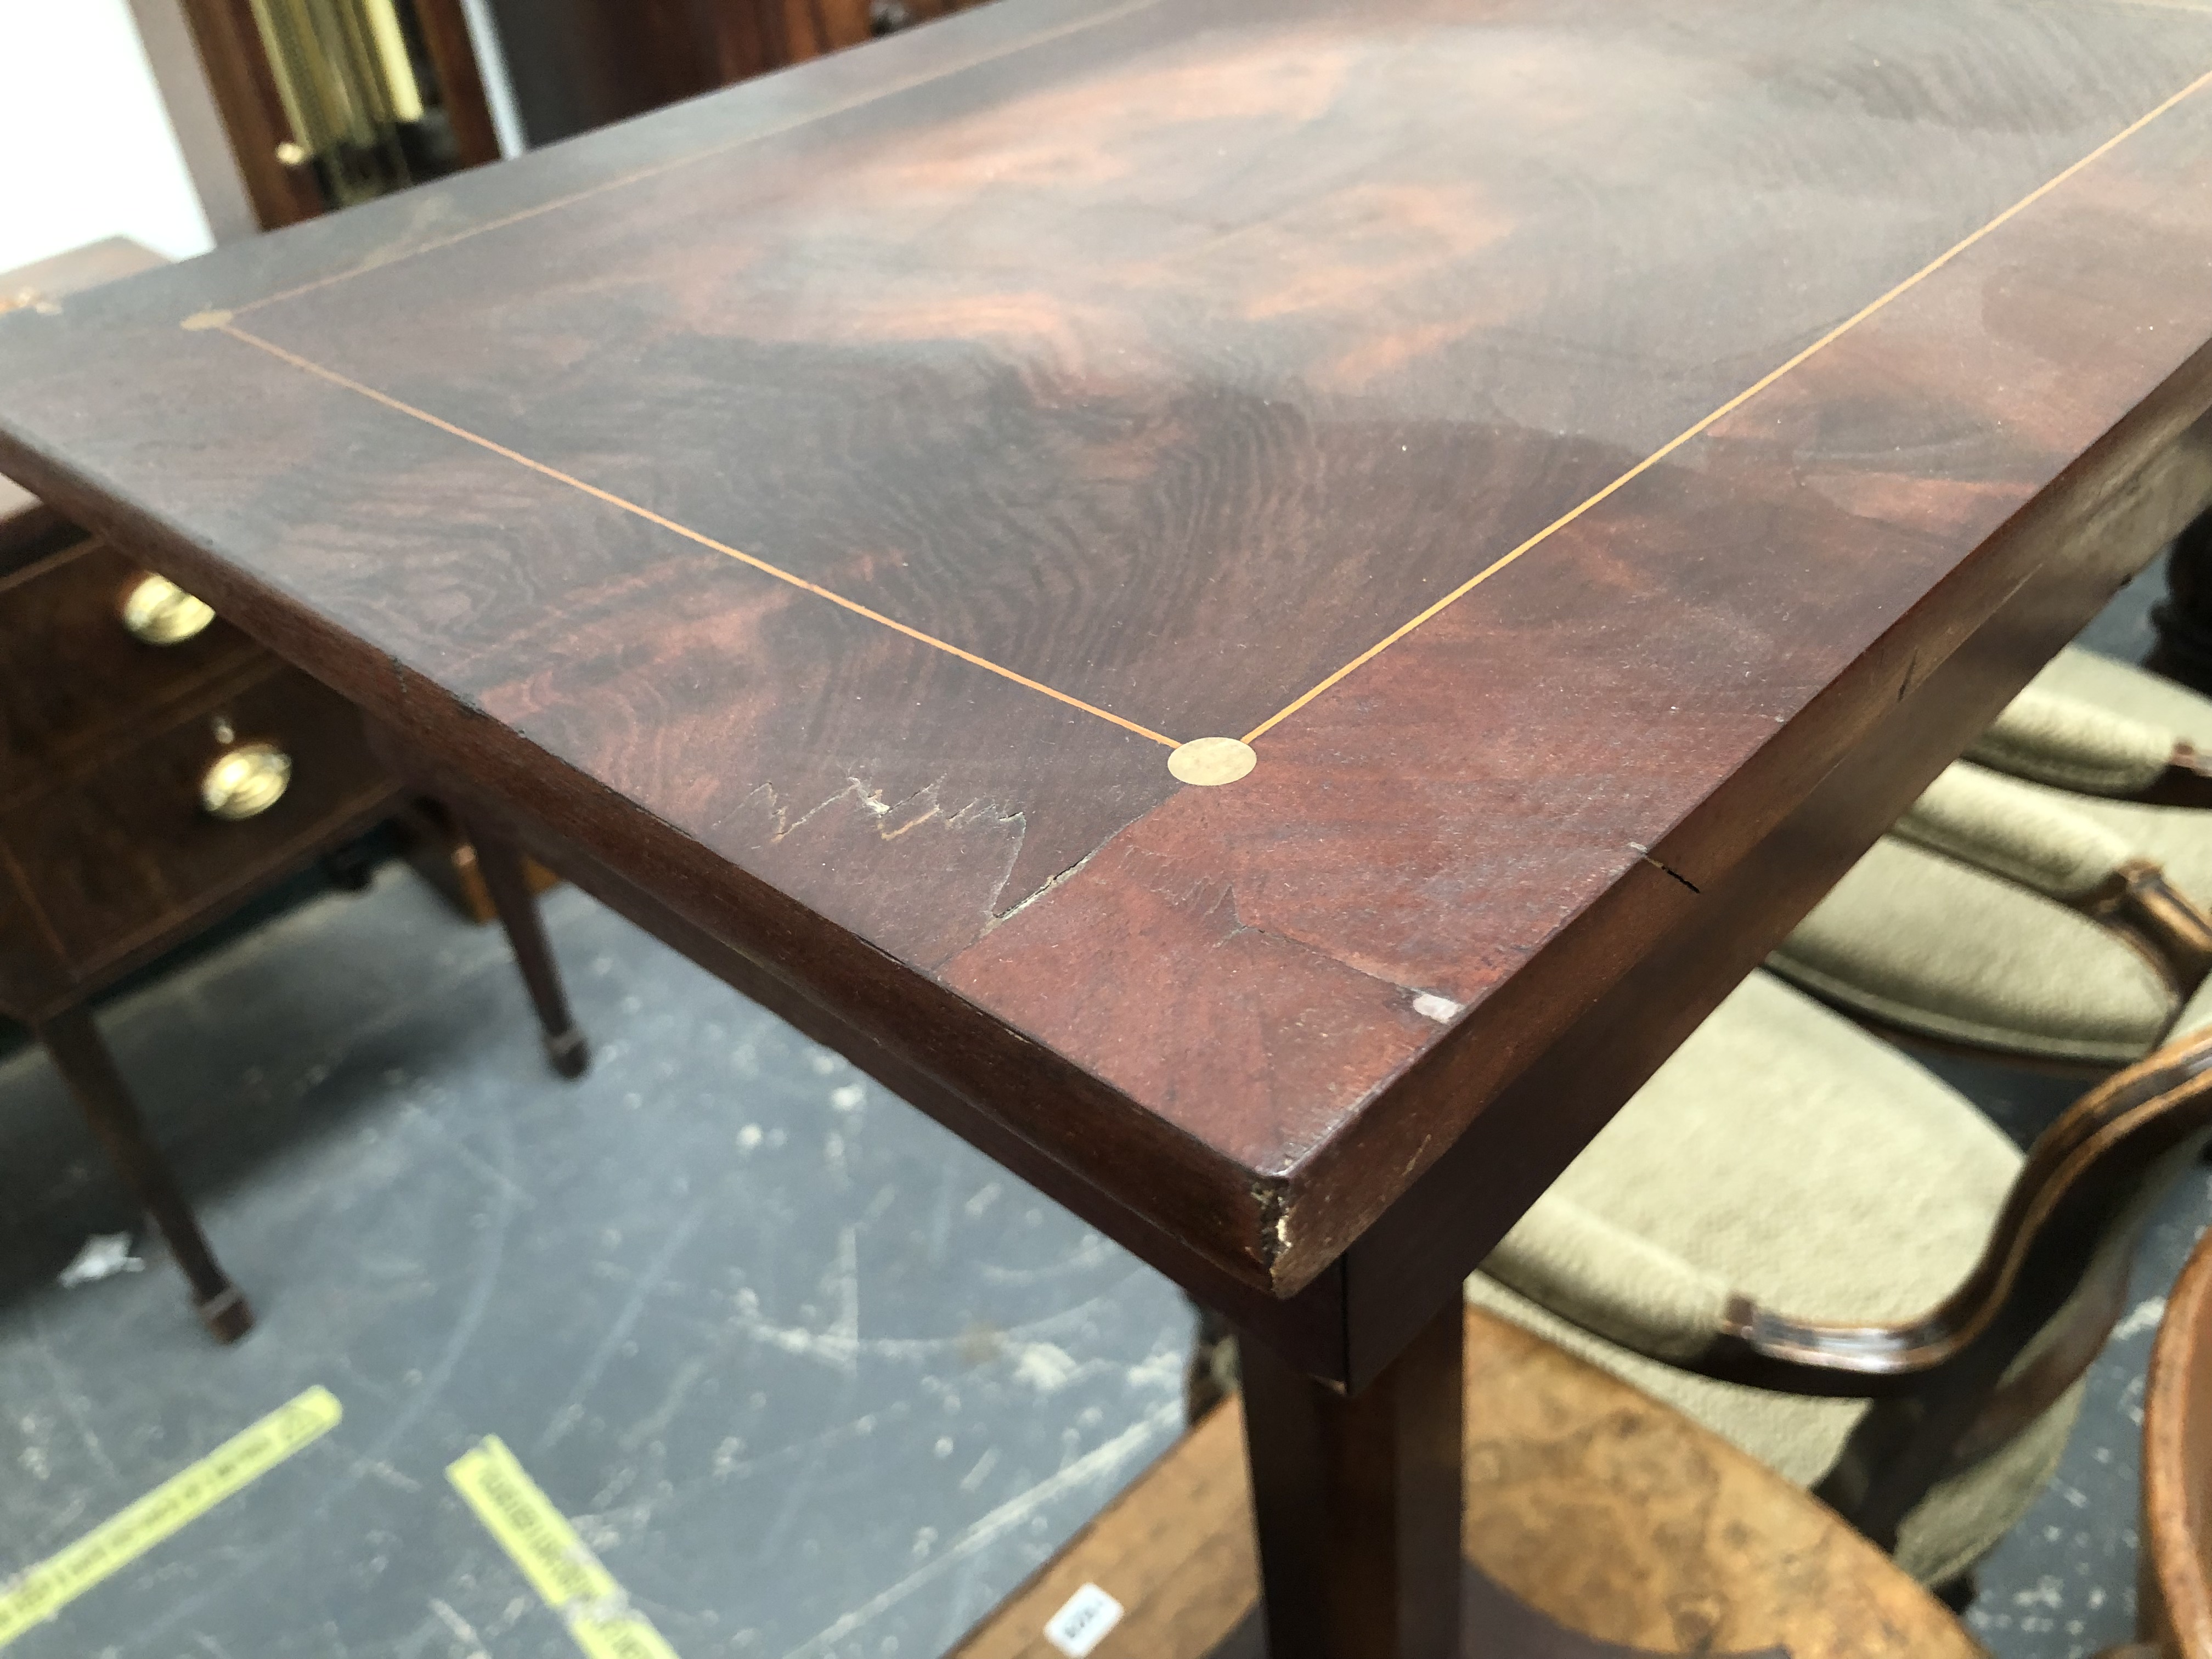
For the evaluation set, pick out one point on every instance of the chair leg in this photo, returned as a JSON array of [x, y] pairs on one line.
[[89, 1070], [499, 862], [1958, 1594], [1210, 1375], [1898, 1452]]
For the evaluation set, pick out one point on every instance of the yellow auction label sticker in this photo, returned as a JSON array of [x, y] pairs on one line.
[[116, 1542], [566, 1574]]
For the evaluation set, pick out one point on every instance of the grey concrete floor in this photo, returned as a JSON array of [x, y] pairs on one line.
[[812, 1377]]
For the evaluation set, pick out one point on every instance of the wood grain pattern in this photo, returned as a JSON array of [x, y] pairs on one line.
[[1171, 358], [30, 529], [1589, 1505], [2175, 1599], [1613, 1514]]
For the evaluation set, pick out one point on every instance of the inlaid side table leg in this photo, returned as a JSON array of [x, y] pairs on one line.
[[85, 1065], [505, 878], [2184, 617], [1358, 1499]]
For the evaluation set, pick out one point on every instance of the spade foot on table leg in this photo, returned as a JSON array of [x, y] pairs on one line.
[[569, 1051], [227, 1315], [500, 862], [73, 1042]]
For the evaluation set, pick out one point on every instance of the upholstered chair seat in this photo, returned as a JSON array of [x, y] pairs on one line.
[[1785, 1155], [2015, 910]]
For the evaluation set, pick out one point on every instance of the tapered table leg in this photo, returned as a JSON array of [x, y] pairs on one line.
[[1357, 1499], [85, 1065], [500, 863]]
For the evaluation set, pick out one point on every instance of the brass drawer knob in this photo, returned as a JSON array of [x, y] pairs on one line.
[[159, 612], [246, 782]]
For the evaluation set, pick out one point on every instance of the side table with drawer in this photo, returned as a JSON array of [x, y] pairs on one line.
[[157, 769]]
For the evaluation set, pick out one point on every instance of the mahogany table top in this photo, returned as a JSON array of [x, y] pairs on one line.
[[1548, 435]]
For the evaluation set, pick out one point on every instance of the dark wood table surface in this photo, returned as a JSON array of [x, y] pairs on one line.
[[1603, 459]]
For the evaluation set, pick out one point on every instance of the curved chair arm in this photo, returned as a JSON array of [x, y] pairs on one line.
[[1998, 824], [1953, 1385], [2159, 920], [2077, 1200], [1619, 1286]]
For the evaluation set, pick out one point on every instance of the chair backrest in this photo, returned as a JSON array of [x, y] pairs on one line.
[[2176, 1602]]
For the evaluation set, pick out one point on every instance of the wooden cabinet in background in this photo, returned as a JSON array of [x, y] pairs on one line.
[[576, 64], [157, 769], [330, 102]]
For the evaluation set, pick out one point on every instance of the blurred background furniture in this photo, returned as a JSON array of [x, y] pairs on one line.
[[2183, 618], [330, 102], [2037, 953], [158, 769], [576, 64], [1622, 1525]]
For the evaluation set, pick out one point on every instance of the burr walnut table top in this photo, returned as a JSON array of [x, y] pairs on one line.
[[1546, 436]]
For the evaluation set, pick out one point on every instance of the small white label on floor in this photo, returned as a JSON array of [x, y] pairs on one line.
[[1082, 1624]]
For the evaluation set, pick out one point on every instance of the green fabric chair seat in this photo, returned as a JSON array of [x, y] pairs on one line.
[[1921, 942], [1784, 1154], [1915, 940], [2178, 837]]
